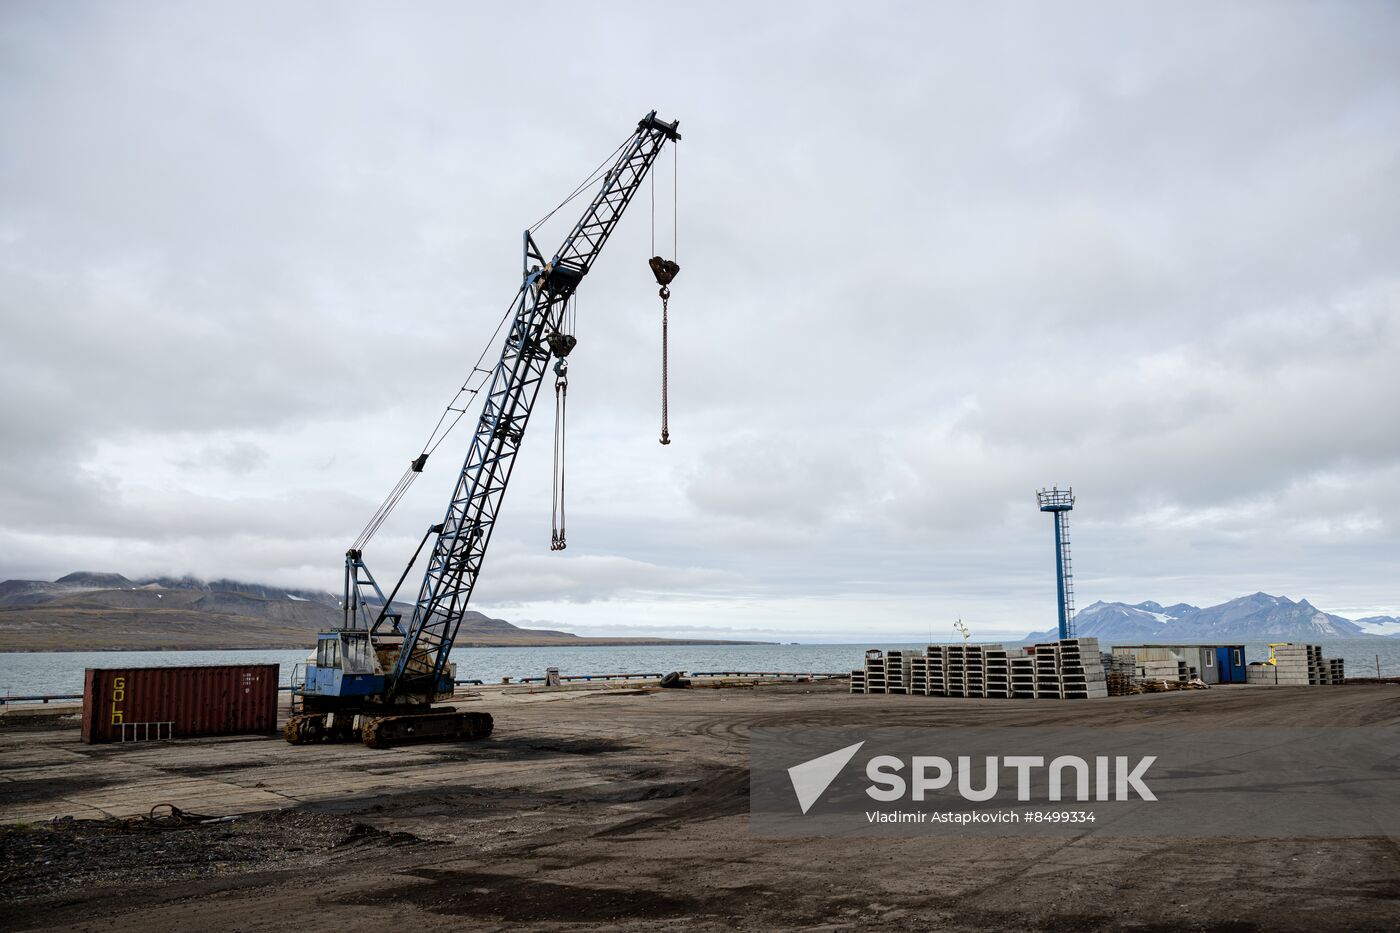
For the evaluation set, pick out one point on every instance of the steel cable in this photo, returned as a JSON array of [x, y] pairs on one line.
[[557, 541], [438, 434], [593, 176]]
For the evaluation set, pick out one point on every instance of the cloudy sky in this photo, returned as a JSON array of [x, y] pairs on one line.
[[935, 256]]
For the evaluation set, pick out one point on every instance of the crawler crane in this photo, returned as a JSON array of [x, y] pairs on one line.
[[376, 677]]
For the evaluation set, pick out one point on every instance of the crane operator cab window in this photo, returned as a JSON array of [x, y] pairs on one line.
[[349, 651], [357, 657], [328, 652]]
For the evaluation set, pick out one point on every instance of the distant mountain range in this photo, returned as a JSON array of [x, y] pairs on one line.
[[1260, 617], [107, 611]]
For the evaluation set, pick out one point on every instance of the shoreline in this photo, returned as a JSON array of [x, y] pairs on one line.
[[310, 645]]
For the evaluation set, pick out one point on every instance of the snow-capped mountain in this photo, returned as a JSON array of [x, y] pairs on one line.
[[1380, 625], [1248, 618]]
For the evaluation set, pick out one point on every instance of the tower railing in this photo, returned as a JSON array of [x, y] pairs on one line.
[[1060, 502]]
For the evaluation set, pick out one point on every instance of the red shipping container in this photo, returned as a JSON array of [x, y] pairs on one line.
[[140, 703]]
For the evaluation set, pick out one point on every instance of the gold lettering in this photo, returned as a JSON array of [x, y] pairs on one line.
[[118, 695]]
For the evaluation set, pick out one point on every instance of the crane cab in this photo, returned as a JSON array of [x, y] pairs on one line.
[[353, 663], [346, 665]]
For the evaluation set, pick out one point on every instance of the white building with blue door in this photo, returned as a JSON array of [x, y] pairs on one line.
[[1212, 664]]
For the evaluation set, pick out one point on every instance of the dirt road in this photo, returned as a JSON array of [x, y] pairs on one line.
[[628, 810]]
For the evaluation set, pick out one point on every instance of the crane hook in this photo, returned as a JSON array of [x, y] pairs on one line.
[[665, 271], [557, 540]]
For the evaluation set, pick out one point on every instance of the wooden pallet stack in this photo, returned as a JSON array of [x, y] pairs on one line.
[[1118, 673]]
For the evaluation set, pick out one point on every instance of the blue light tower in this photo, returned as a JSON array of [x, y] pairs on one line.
[[1060, 502]]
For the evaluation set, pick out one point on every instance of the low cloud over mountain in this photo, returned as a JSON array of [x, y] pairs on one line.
[[103, 611]]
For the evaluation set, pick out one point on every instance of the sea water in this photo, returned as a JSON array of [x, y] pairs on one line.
[[59, 672]]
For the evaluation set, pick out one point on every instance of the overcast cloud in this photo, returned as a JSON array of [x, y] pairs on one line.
[[934, 256]]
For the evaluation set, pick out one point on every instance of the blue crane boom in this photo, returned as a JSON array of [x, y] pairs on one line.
[[362, 674], [534, 338]]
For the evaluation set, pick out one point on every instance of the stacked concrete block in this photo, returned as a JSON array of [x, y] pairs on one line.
[[1070, 669], [1295, 666], [1022, 677], [1047, 672], [1161, 669], [1293, 661], [957, 684], [1156, 664], [1081, 669], [874, 671], [974, 671], [1312, 658], [898, 671], [1260, 673], [918, 675], [937, 665], [997, 679], [1118, 662]]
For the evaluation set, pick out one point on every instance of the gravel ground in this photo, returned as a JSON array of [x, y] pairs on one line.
[[52, 859], [628, 810]]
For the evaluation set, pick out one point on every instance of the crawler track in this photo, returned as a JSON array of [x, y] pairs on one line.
[[311, 728], [440, 725], [420, 728]]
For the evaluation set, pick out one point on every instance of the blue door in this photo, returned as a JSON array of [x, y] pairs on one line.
[[1231, 662]]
